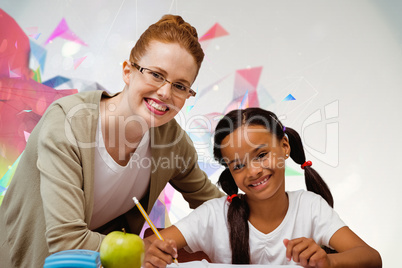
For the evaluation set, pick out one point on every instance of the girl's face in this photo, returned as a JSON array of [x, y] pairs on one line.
[[256, 160], [157, 105]]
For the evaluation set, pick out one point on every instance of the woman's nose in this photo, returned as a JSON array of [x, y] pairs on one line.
[[165, 91]]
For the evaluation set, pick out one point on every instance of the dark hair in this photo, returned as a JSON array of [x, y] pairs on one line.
[[238, 212]]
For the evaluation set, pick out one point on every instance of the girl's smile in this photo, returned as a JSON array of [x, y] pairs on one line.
[[255, 159], [261, 182]]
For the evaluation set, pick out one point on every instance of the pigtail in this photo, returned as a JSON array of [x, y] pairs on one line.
[[314, 182], [238, 214]]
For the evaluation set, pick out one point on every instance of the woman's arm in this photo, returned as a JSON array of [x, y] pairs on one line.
[[61, 184], [160, 253]]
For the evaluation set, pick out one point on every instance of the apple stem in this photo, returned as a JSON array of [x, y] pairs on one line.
[[124, 230]]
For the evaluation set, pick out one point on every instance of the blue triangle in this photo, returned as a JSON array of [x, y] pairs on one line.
[[56, 81], [39, 53], [243, 101], [289, 98]]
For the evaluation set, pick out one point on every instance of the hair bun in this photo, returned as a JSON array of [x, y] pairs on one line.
[[179, 21]]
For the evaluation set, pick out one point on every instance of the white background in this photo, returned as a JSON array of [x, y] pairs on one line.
[[343, 56]]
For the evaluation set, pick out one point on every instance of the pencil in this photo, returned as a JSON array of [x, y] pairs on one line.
[[151, 224]]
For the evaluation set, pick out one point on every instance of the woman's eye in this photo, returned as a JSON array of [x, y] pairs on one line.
[[157, 76], [180, 87]]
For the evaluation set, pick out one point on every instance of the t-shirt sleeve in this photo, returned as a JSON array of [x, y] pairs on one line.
[[197, 227], [326, 221]]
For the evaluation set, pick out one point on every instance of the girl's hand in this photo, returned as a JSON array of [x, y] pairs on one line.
[[159, 253], [306, 252]]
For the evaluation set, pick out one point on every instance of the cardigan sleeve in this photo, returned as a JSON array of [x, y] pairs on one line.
[[189, 179], [61, 186]]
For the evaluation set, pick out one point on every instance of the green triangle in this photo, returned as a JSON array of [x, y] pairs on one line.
[[291, 172], [37, 76], [6, 179]]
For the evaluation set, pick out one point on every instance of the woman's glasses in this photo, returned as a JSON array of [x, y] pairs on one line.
[[158, 80]]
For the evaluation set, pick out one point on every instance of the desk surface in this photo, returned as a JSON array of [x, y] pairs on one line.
[[205, 264]]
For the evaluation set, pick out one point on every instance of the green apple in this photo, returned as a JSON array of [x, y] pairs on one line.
[[121, 249]]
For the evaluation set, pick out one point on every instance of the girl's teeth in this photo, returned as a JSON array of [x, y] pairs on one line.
[[261, 182], [157, 106]]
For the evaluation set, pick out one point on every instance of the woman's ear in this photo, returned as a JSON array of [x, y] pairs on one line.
[[127, 71]]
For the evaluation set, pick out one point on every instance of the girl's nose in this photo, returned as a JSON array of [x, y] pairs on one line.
[[254, 169]]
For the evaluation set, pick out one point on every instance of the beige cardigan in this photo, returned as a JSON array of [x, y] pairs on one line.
[[49, 203]]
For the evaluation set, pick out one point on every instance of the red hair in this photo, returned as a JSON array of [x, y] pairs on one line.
[[170, 29]]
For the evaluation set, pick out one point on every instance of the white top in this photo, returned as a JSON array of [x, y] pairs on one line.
[[115, 185], [309, 215]]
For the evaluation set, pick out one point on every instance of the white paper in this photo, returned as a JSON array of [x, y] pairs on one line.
[[206, 264]]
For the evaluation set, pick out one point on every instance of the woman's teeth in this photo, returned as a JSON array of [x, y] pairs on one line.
[[156, 105], [261, 182]]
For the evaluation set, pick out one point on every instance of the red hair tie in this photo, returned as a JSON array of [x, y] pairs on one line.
[[306, 164], [230, 198]]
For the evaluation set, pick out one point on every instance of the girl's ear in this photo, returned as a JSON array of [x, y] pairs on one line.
[[286, 146], [126, 72]]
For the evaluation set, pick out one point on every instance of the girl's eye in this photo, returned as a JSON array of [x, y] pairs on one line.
[[238, 166], [262, 156]]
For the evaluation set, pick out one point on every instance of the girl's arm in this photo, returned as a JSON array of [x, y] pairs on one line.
[[352, 252], [160, 253]]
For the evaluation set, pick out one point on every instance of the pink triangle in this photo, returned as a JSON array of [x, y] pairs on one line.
[[32, 30], [62, 30], [169, 192], [77, 62], [26, 134], [253, 99], [4, 45], [252, 75], [215, 31], [15, 73], [241, 86], [234, 104], [240, 89]]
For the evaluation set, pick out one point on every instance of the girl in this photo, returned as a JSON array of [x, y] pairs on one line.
[[265, 224], [92, 152]]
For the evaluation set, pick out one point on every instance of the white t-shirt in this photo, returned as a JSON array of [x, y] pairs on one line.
[[309, 215], [115, 185]]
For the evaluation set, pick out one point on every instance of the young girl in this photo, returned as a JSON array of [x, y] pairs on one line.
[[265, 224]]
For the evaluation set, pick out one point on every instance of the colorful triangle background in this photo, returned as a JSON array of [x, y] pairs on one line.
[[215, 31]]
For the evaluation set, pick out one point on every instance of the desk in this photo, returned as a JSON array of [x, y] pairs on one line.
[[205, 264]]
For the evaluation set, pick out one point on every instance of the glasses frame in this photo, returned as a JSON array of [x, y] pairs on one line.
[[141, 70]]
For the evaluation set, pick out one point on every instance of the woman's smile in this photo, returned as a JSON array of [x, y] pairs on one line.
[[156, 107]]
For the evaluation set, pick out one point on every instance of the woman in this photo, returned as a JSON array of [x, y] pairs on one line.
[[92, 152]]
